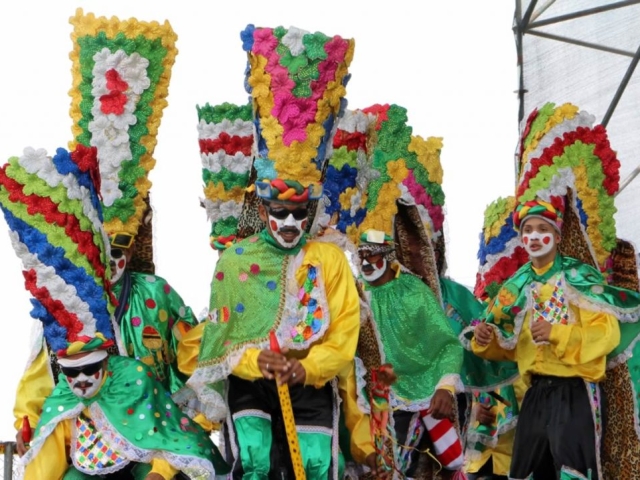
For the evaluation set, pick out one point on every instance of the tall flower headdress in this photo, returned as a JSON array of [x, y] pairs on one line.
[[409, 171], [348, 172], [225, 135], [53, 209], [297, 81], [501, 253], [564, 156], [121, 72]]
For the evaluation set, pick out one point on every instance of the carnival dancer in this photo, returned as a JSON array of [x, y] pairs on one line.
[[151, 316], [107, 416], [427, 365], [491, 430], [557, 316], [274, 280]]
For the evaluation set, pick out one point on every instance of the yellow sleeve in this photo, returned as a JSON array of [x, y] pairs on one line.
[[356, 421], [338, 346], [448, 388], [593, 337], [34, 387], [51, 460], [247, 367], [162, 467], [493, 350], [189, 349]]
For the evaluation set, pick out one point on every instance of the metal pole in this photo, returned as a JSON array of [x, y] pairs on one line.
[[542, 9], [625, 183], [8, 460], [584, 13], [621, 88]]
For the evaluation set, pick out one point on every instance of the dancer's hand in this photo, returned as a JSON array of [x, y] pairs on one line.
[[271, 363], [296, 374], [485, 414], [442, 405], [21, 448], [541, 331], [483, 334], [154, 476]]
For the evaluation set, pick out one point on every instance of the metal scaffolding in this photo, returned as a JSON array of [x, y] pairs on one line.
[[586, 52]]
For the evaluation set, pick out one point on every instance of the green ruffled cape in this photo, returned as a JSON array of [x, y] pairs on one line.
[[135, 414]]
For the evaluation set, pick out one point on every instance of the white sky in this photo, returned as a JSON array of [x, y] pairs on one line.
[[451, 64]]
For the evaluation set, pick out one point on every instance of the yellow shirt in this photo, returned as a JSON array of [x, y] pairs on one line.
[[51, 461], [578, 349], [325, 359], [331, 357], [34, 387]]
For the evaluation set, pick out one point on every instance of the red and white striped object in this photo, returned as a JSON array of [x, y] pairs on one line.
[[446, 442]]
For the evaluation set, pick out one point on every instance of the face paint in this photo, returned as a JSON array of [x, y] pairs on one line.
[[378, 269], [86, 386], [289, 224], [118, 264], [545, 240]]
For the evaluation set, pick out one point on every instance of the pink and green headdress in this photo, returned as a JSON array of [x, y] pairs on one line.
[[225, 135], [297, 81], [565, 159], [121, 72], [54, 213]]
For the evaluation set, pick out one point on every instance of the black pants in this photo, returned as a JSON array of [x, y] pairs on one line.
[[555, 429], [312, 407]]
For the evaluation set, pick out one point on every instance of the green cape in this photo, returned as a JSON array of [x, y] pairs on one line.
[[136, 416]]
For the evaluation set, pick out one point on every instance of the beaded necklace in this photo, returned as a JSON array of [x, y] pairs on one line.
[[553, 310]]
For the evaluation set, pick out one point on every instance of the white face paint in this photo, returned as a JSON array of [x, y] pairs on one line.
[[378, 270], [118, 266], [277, 225], [546, 241], [85, 386]]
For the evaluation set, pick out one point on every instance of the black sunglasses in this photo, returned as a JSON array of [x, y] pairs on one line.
[[88, 370], [281, 214]]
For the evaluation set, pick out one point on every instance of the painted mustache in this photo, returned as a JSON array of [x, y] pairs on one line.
[[83, 385]]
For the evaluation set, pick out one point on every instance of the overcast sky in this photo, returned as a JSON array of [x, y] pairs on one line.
[[451, 64]]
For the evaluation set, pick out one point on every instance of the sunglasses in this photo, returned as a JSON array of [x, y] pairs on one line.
[[372, 259], [282, 214], [88, 370], [122, 240]]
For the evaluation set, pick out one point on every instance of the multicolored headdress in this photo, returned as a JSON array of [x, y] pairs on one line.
[[563, 155], [550, 212], [225, 134], [408, 170], [53, 209], [297, 84], [349, 172], [501, 253], [121, 72]]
